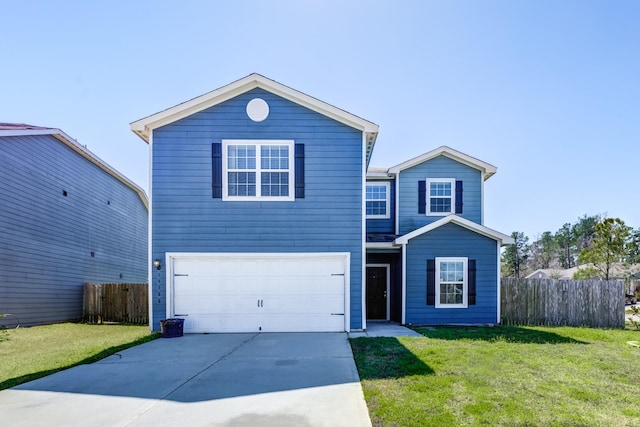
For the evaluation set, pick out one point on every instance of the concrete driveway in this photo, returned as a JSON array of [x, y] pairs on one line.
[[296, 379]]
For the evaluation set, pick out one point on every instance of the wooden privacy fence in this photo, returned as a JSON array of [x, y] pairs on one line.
[[594, 303], [116, 302]]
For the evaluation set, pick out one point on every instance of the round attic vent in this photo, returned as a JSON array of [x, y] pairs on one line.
[[257, 109]]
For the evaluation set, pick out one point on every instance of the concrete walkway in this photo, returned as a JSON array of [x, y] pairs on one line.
[[385, 329], [214, 380]]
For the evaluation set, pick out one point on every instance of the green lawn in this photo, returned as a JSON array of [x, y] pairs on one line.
[[30, 353], [502, 376]]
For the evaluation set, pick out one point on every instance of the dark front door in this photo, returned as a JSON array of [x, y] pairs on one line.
[[377, 293]]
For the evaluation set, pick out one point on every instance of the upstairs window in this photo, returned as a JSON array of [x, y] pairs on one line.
[[257, 170], [440, 196], [377, 200]]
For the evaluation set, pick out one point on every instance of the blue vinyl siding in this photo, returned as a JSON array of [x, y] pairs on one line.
[[47, 238], [384, 225], [187, 219], [438, 167], [451, 240]]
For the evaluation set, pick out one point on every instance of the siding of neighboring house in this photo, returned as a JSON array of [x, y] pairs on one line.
[[451, 240], [438, 167], [47, 238], [187, 219], [384, 225]]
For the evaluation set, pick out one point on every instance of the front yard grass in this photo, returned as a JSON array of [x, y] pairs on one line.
[[30, 353], [502, 376]]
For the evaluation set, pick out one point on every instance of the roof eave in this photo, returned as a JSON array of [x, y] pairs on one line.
[[145, 126], [502, 239], [487, 170]]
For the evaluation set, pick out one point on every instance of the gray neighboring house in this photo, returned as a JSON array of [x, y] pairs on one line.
[[66, 218]]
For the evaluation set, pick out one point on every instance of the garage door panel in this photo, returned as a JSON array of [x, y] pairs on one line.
[[195, 305], [245, 293]]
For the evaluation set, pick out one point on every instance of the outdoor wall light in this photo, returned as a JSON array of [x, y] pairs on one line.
[[157, 264]]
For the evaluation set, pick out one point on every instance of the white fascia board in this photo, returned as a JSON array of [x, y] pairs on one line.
[[84, 152], [379, 175], [143, 127], [381, 245], [487, 169], [502, 239]]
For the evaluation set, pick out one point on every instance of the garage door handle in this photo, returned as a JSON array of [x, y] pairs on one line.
[[183, 315], [180, 275], [337, 314]]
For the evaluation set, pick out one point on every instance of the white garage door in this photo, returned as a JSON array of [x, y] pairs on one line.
[[259, 292]]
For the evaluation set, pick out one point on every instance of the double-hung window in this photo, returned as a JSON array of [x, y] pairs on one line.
[[377, 200], [451, 282], [257, 170], [440, 196]]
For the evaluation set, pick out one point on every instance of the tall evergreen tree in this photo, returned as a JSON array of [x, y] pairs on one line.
[[514, 257], [565, 240], [543, 251]]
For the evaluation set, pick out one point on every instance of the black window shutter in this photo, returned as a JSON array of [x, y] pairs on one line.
[[216, 168], [431, 282], [299, 168], [458, 197], [422, 197], [471, 282]]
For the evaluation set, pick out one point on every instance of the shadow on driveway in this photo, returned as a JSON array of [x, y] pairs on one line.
[[275, 376]]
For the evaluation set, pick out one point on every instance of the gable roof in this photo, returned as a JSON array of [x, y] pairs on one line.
[[145, 126], [21, 129], [487, 169], [503, 239]]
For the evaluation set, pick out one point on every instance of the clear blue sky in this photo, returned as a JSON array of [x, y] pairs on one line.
[[547, 91]]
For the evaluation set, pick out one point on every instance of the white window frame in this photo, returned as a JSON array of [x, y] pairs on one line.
[[258, 143], [452, 181], [387, 213], [465, 282]]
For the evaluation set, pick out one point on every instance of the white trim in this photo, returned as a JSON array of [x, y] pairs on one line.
[[85, 153], [381, 245], [363, 273], [502, 239], [452, 197], [388, 296], [465, 282], [378, 175], [150, 234], [499, 293], [258, 143], [482, 202], [487, 169], [397, 203], [169, 286], [387, 201], [404, 284], [170, 258], [145, 126]]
